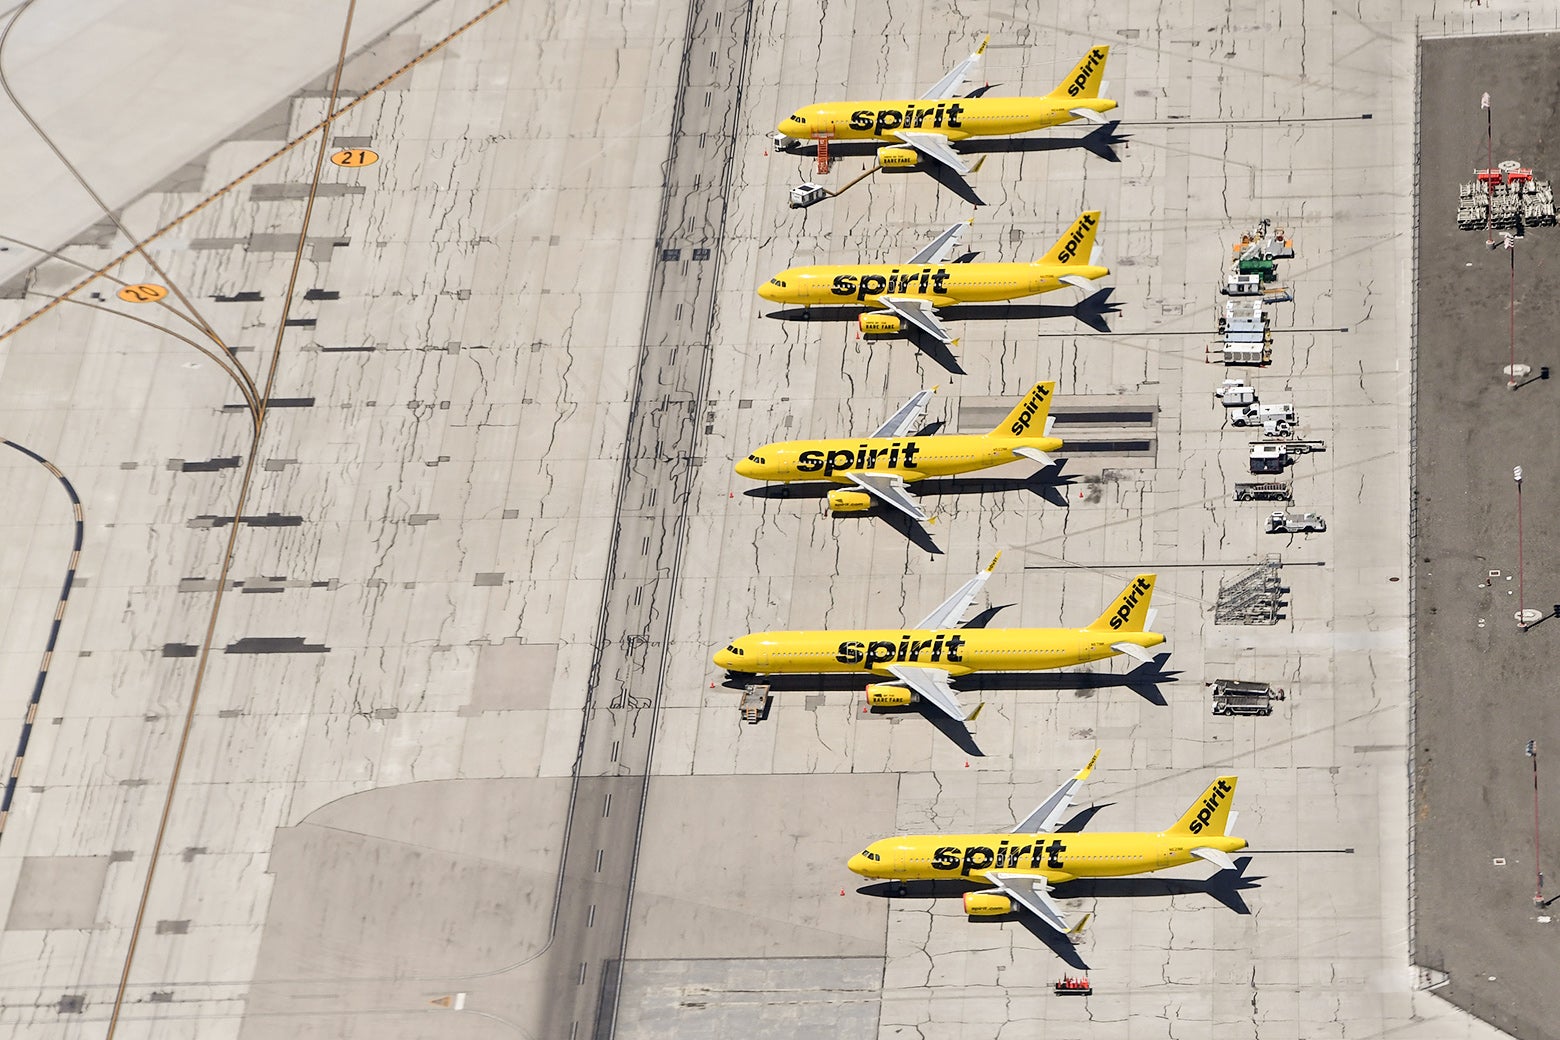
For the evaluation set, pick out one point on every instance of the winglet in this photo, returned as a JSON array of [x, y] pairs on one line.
[[972, 716], [1083, 774], [982, 48], [1076, 930], [993, 564], [978, 162]]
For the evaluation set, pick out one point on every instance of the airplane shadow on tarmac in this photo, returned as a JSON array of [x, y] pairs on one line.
[[1100, 141], [1091, 310], [1225, 887], [1144, 680], [1048, 483]]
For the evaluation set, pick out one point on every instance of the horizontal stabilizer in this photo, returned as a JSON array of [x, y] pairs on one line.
[[1034, 454], [1132, 650], [1218, 858], [1087, 114], [1077, 281]]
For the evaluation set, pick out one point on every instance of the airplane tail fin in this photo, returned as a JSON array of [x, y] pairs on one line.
[[1086, 78], [1129, 612], [1076, 247], [1210, 813], [1030, 416]]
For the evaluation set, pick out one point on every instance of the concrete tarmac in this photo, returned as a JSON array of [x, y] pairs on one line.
[[393, 714]]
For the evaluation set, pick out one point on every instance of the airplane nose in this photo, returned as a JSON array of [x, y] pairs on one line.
[[747, 468], [858, 865], [767, 291], [725, 659]]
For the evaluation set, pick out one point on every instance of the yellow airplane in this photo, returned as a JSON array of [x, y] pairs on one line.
[[928, 126], [906, 294], [1022, 866], [882, 464], [922, 660]]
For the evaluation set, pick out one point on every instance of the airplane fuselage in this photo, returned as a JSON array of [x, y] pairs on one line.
[[909, 458], [942, 285], [959, 651], [1060, 857], [954, 118]]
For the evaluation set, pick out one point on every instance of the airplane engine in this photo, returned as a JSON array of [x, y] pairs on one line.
[[887, 695], [849, 501], [895, 157], [879, 324], [987, 904]]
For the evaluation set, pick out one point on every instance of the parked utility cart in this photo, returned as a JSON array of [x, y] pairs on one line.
[[1268, 458], [807, 193], [755, 703], [1234, 393], [1233, 697], [1291, 522]]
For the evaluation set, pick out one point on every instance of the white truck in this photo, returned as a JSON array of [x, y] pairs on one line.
[[1291, 522], [1258, 414]]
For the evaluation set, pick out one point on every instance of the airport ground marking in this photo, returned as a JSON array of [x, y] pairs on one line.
[[332, 114], [30, 719], [355, 157], [144, 292], [323, 129]]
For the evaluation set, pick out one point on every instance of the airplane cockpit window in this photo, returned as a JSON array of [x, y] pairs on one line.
[[799, 118], [756, 458], [873, 856], [776, 281], [734, 649]]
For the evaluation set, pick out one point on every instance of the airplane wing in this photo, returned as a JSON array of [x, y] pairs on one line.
[[951, 613], [1032, 892], [949, 85], [890, 490], [935, 146], [1050, 812], [918, 313], [907, 418], [933, 686], [939, 249]]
